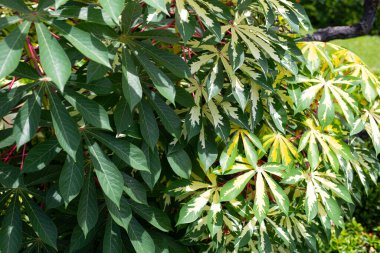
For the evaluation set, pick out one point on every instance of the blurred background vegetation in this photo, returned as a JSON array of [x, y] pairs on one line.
[[362, 232]]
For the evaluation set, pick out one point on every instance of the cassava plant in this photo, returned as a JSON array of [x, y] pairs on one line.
[[178, 126]]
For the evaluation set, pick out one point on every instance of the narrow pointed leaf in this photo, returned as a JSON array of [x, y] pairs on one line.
[[112, 242], [113, 8], [54, 59], [148, 125], [65, 128], [110, 178], [91, 111], [132, 89], [27, 120], [141, 240], [71, 179], [11, 228], [235, 186], [86, 43], [87, 214], [11, 48], [41, 223]]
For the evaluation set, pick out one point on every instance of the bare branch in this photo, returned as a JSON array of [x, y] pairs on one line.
[[345, 32]]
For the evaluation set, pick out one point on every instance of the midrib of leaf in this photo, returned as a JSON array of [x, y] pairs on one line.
[[86, 200]]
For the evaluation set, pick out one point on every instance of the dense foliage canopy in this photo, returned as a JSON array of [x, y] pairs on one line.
[[178, 126]]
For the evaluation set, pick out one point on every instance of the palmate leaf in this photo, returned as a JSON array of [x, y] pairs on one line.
[[11, 48]]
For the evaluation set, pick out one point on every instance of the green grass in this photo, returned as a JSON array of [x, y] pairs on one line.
[[366, 47]]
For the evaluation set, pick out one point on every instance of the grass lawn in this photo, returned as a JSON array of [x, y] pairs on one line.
[[366, 47]]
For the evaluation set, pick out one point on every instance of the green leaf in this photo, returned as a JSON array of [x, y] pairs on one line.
[[41, 223], [154, 164], [27, 119], [167, 115], [41, 155], [160, 80], [86, 43], [235, 186], [148, 125], [141, 240], [7, 21], [110, 178], [122, 116], [65, 128], [132, 89], [54, 59], [113, 8], [11, 228], [170, 61], [261, 205], [180, 163], [78, 240], [123, 215], [131, 13], [10, 176], [153, 215], [128, 152], [91, 111], [87, 214], [193, 209], [89, 14], [112, 242], [71, 179], [208, 153], [158, 4], [10, 98], [278, 113], [313, 153], [11, 48], [18, 5], [135, 190]]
